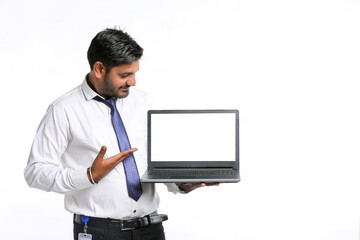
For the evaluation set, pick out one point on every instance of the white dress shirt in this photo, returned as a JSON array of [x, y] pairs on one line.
[[67, 142]]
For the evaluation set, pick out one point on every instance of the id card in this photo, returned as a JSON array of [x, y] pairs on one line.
[[84, 236]]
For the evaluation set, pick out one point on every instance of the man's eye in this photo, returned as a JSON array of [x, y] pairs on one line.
[[124, 76]]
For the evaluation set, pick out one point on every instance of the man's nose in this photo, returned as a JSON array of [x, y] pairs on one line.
[[131, 81]]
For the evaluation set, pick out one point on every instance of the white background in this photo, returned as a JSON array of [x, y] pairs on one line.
[[290, 67]]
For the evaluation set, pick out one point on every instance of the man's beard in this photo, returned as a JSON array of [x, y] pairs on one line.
[[110, 91]]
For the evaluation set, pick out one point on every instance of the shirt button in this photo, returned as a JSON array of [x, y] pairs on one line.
[[134, 211]]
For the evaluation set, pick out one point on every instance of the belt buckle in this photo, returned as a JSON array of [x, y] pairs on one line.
[[129, 224]]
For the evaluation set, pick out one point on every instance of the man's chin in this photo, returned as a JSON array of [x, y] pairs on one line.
[[122, 93]]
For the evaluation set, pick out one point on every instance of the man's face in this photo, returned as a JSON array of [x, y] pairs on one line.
[[119, 79]]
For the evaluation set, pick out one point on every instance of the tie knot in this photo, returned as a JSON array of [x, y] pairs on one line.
[[111, 103]]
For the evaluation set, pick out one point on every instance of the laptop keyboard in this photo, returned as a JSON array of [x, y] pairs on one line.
[[192, 172]]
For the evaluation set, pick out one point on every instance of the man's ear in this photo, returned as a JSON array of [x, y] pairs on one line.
[[99, 69]]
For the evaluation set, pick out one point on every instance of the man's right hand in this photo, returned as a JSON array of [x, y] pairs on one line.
[[102, 166]]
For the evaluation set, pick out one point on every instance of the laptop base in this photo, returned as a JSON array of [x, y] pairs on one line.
[[151, 177]]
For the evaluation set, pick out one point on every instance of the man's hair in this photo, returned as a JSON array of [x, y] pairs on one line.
[[113, 47]]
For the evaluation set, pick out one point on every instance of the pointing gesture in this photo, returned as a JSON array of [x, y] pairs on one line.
[[102, 166]]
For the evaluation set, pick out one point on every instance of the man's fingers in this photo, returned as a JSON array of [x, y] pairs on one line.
[[124, 154], [212, 184], [102, 152], [209, 184]]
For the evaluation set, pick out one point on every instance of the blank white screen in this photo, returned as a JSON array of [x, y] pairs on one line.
[[193, 137]]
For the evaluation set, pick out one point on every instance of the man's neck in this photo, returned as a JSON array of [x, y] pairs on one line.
[[90, 78]]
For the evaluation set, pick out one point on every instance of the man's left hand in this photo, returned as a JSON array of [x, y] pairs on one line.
[[188, 187]]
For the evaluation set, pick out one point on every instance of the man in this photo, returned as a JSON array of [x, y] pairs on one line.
[[82, 148]]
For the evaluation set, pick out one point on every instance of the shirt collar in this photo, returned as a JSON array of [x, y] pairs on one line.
[[88, 92]]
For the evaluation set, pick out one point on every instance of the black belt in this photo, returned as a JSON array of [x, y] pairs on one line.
[[126, 224]]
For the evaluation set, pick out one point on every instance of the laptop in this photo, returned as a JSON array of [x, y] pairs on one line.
[[192, 146]]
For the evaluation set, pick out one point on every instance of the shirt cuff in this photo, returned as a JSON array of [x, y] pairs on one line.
[[174, 188], [80, 179]]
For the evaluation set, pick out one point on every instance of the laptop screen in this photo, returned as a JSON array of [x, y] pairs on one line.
[[193, 138]]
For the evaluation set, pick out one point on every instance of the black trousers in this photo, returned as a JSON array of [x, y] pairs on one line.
[[152, 232]]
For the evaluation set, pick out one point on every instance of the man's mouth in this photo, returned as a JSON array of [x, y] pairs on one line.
[[124, 88]]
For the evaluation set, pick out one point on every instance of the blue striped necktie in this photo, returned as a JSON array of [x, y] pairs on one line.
[[131, 171]]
